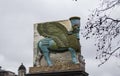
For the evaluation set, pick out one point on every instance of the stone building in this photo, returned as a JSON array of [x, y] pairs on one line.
[[21, 70], [6, 73]]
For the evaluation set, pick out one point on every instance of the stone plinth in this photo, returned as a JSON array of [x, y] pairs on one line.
[[63, 67], [60, 73]]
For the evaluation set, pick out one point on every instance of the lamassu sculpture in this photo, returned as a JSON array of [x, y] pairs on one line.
[[58, 39]]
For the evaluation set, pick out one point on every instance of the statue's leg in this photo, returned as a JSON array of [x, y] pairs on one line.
[[73, 55], [46, 54]]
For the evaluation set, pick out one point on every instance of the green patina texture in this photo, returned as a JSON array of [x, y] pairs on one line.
[[59, 34]]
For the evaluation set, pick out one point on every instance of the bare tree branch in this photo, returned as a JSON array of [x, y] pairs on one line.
[[109, 56], [105, 29], [109, 4]]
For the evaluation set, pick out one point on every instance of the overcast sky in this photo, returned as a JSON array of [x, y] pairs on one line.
[[16, 32]]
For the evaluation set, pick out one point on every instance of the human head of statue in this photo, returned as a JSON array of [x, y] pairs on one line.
[[75, 22]]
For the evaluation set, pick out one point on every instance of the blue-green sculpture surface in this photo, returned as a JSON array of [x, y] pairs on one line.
[[58, 39]]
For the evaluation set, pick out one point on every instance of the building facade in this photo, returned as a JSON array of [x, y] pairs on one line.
[[6, 73]]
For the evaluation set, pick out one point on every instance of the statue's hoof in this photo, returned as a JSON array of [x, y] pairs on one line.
[[76, 62], [50, 65]]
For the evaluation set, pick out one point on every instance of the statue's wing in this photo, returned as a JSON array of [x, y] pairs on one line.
[[56, 31]]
